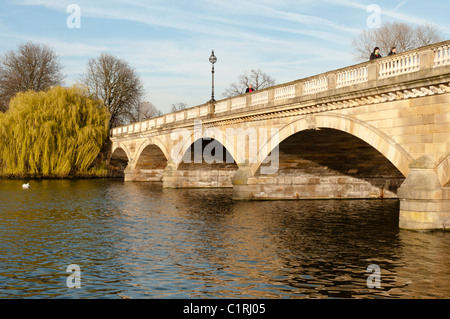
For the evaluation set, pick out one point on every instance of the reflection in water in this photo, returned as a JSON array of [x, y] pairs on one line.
[[137, 240]]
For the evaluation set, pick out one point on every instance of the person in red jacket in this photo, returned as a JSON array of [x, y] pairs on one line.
[[249, 89]]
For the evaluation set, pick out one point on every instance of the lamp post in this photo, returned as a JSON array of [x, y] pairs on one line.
[[213, 60]]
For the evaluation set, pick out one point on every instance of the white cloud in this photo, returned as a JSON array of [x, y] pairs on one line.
[[170, 41], [393, 13]]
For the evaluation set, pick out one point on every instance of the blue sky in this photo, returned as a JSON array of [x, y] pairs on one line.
[[169, 42]]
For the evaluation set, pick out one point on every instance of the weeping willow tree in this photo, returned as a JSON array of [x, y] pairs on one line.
[[56, 133]]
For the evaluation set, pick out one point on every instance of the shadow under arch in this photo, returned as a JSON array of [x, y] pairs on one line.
[[151, 154], [207, 153], [118, 161], [189, 139], [121, 148], [366, 132], [206, 163]]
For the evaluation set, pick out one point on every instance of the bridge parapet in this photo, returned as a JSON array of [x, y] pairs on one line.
[[441, 54], [352, 76]]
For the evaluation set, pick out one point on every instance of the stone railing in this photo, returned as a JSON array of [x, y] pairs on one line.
[[221, 107], [315, 85], [284, 92], [398, 65], [352, 76], [362, 76], [442, 55], [238, 102], [260, 97]]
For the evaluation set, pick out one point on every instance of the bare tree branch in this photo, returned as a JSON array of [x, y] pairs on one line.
[[394, 34], [147, 111], [257, 78], [178, 107], [113, 81], [427, 34], [33, 67]]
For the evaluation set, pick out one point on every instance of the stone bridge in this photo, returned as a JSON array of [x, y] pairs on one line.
[[379, 129]]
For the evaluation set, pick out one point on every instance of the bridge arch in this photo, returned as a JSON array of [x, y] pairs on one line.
[[364, 131], [119, 160], [119, 150], [151, 145], [190, 137], [206, 162], [214, 155]]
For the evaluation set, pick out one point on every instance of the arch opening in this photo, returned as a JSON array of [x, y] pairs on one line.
[[150, 164], [206, 163], [329, 163], [117, 163]]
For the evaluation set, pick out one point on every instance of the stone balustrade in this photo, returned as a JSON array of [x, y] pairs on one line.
[[284, 92], [441, 55], [260, 97], [238, 102], [221, 107], [398, 65], [315, 85], [352, 76], [357, 77]]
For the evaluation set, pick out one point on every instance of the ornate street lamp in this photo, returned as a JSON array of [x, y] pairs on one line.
[[213, 60]]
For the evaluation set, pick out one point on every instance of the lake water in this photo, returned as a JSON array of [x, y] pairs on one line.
[[137, 240]]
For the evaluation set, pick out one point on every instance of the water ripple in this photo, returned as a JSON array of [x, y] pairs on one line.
[[137, 240]]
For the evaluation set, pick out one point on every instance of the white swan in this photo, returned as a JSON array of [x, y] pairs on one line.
[[26, 186]]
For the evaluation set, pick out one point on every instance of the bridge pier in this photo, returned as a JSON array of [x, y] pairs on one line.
[[129, 174], [240, 180], [169, 175], [173, 177], [142, 174], [424, 203]]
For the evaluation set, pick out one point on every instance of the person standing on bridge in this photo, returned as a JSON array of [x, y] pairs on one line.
[[375, 54], [249, 89], [393, 51]]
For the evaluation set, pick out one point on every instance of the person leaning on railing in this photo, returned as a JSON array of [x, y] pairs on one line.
[[375, 54], [393, 51], [249, 89]]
